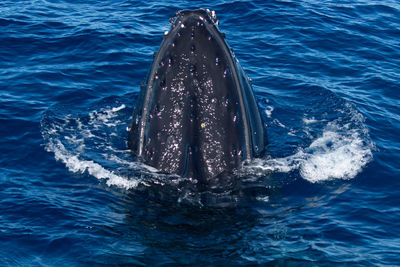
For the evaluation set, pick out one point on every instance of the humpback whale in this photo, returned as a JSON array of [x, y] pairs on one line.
[[196, 115]]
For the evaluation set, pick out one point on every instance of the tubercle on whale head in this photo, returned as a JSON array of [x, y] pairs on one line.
[[208, 14], [205, 15]]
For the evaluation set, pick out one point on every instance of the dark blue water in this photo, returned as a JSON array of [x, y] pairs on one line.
[[327, 79]]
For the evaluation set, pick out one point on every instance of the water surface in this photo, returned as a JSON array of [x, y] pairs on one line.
[[327, 192]]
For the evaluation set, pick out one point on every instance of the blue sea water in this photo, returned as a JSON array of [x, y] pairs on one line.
[[326, 77]]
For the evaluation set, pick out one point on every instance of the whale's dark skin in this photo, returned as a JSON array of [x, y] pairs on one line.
[[196, 115]]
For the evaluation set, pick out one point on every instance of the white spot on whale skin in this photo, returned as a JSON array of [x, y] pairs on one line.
[[213, 15]]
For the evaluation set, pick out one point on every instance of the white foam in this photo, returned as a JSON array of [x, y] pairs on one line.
[[118, 108], [277, 122], [74, 164], [263, 199], [268, 111], [105, 116], [340, 153], [335, 156], [132, 165], [285, 164], [68, 138], [309, 120]]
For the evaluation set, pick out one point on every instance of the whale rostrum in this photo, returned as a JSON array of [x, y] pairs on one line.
[[196, 115]]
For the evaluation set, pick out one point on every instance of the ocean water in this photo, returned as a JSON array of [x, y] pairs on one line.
[[326, 77]]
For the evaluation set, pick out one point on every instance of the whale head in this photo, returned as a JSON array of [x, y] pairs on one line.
[[196, 115]]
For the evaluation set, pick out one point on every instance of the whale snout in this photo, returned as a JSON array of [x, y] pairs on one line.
[[197, 116]]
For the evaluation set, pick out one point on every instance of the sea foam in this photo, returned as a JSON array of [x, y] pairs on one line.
[[341, 151]]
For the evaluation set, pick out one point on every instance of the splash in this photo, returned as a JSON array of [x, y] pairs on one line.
[[91, 144], [341, 151], [335, 155], [77, 165]]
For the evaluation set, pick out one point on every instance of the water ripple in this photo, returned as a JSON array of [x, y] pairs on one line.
[[326, 76]]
